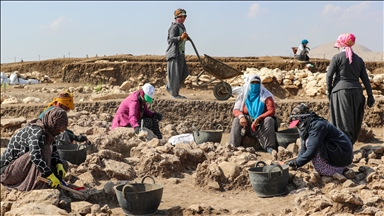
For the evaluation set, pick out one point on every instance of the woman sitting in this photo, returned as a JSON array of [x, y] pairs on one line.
[[302, 51], [32, 152], [254, 113]]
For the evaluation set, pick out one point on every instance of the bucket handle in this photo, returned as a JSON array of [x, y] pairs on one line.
[[260, 162], [274, 166], [195, 129], [142, 181], [133, 188], [219, 126]]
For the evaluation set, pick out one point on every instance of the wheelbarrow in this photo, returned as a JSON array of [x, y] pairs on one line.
[[221, 71]]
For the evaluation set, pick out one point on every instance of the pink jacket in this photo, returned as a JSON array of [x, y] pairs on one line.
[[129, 112]]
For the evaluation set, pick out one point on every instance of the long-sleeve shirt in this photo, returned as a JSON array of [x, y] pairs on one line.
[[175, 43], [301, 50], [131, 111], [334, 145], [269, 109], [342, 75], [29, 139]]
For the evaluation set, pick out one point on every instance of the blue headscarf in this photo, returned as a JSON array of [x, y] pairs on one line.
[[254, 96], [254, 105], [305, 41]]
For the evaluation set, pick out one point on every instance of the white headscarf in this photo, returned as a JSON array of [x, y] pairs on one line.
[[264, 93]]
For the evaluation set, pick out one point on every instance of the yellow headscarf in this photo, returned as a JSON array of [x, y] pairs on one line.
[[65, 98]]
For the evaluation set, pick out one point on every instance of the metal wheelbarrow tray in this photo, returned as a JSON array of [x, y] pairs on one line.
[[221, 71]]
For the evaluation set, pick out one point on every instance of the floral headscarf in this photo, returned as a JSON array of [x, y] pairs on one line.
[[346, 41]]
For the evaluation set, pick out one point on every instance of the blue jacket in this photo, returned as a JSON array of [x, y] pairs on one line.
[[334, 145]]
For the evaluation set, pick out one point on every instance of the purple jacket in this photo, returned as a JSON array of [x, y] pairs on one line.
[[129, 111]]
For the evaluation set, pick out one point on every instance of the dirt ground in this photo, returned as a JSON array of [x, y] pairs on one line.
[[181, 191]]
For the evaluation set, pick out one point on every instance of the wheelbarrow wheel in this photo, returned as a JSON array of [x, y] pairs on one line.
[[222, 91]]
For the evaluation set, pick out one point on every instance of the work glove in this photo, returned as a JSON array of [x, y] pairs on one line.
[[60, 170], [137, 130], [54, 181], [292, 163], [370, 101], [157, 116], [81, 138]]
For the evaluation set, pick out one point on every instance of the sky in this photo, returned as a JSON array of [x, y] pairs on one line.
[[33, 30]]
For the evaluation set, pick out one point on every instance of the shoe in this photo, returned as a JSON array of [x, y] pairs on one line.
[[179, 97], [349, 173]]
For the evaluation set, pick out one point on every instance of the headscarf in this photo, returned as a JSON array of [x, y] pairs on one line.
[[52, 121], [65, 98], [346, 41], [180, 12], [302, 117], [254, 96]]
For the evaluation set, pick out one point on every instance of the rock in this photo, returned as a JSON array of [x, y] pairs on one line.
[[348, 183], [5, 206], [119, 170], [326, 179], [125, 86], [195, 208], [12, 122], [230, 170], [108, 188], [81, 207], [29, 100], [46, 196], [366, 133], [346, 197], [33, 209]]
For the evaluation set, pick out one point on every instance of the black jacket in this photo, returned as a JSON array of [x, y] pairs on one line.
[[334, 145]]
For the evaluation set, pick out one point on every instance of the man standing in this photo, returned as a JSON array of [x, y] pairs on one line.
[[177, 70]]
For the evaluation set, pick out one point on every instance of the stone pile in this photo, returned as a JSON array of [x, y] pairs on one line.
[[314, 84]]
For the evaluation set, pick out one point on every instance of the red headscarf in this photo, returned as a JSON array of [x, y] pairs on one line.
[[346, 41]]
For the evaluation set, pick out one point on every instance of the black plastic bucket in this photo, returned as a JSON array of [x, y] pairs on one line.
[[74, 153], [139, 198], [208, 135], [268, 181], [286, 137]]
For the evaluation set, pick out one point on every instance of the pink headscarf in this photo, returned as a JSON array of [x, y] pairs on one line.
[[346, 41]]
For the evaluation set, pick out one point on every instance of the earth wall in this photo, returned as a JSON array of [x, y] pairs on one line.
[[201, 114]]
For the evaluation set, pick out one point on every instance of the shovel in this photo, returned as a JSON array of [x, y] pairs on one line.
[[61, 186]]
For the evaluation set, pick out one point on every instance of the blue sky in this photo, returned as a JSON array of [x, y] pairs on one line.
[[30, 30]]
